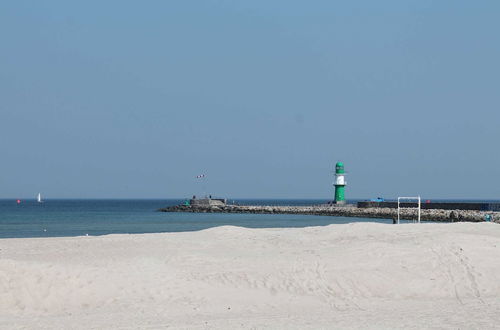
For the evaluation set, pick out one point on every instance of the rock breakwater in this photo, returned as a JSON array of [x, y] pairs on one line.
[[381, 213]]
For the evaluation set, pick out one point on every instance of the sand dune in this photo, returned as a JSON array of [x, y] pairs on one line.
[[360, 275]]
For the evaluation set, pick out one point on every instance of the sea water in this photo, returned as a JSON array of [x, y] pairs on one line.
[[68, 217]]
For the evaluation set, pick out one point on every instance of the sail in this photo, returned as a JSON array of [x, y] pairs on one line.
[[39, 198]]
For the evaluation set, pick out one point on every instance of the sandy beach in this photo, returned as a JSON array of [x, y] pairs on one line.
[[359, 276]]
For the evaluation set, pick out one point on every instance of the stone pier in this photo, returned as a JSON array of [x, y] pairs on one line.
[[343, 211]]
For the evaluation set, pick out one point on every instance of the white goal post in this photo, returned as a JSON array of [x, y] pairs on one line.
[[418, 207]]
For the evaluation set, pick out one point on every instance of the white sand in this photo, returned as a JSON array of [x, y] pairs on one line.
[[341, 276]]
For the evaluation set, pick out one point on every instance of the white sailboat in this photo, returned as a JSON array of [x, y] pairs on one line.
[[39, 198]]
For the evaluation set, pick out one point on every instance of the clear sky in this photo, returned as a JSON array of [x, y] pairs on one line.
[[118, 99]]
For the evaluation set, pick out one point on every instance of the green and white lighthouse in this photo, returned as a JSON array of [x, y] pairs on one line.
[[339, 183]]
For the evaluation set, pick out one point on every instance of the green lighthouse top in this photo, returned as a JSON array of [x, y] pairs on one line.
[[339, 168]]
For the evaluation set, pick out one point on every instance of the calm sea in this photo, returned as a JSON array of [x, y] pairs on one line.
[[100, 217]]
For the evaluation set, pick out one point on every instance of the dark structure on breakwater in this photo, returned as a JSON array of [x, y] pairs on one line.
[[208, 201], [493, 207]]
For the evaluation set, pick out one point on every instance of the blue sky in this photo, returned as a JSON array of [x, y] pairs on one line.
[[118, 99]]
